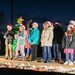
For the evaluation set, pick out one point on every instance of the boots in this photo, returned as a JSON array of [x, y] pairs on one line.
[[30, 58], [6, 57], [27, 56], [58, 59]]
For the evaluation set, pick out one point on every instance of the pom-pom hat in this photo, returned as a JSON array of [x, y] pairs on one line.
[[72, 21], [9, 25], [50, 23], [23, 24], [35, 23]]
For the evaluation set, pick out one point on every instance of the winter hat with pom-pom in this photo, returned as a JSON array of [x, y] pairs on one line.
[[35, 23], [9, 25], [50, 23], [72, 22]]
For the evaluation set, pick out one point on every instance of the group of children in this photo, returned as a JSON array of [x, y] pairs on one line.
[[51, 36], [21, 40]]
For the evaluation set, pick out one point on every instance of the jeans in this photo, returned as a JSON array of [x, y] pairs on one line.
[[57, 53], [28, 51], [47, 55], [69, 56]]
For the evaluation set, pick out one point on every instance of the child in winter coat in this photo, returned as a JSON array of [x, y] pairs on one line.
[[33, 39], [72, 22], [46, 41], [57, 41], [68, 45], [21, 41], [8, 36]]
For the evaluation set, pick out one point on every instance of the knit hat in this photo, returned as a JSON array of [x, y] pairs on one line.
[[23, 24], [35, 23], [50, 23], [9, 25], [72, 21], [58, 23]]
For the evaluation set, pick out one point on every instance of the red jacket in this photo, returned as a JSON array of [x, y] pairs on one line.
[[27, 43]]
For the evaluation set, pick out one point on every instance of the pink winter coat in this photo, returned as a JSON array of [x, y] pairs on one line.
[[27, 43]]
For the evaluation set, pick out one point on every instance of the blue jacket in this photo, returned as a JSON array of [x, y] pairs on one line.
[[34, 36]]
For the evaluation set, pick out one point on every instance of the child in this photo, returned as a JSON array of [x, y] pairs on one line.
[[57, 40], [46, 40], [68, 45], [28, 46], [72, 22], [8, 36], [21, 40], [33, 39]]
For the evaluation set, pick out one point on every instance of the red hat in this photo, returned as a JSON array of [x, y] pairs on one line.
[[50, 23], [9, 25], [74, 28], [23, 24], [72, 21]]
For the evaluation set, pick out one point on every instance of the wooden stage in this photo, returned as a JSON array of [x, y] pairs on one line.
[[53, 63]]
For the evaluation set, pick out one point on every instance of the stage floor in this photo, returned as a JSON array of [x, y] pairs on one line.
[[55, 64]]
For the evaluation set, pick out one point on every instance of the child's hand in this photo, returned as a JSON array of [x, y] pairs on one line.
[[31, 43], [16, 35]]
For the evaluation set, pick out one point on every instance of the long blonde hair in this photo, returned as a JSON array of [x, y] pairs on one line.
[[70, 32]]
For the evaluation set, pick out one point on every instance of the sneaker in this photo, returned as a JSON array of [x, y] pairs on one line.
[[49, 61], [71, 63], [66, 63], [11, 58], [6, 57], [41, 60], [16, 57], [74, 62], [45, 61], [59, 60], [35, 60]]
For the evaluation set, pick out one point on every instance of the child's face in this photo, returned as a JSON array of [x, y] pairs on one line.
[[34, 26], [9, 28], [69, 28], [46, 25], [21, 28]]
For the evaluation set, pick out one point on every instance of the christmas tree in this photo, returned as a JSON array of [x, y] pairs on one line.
[[16, 27]]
